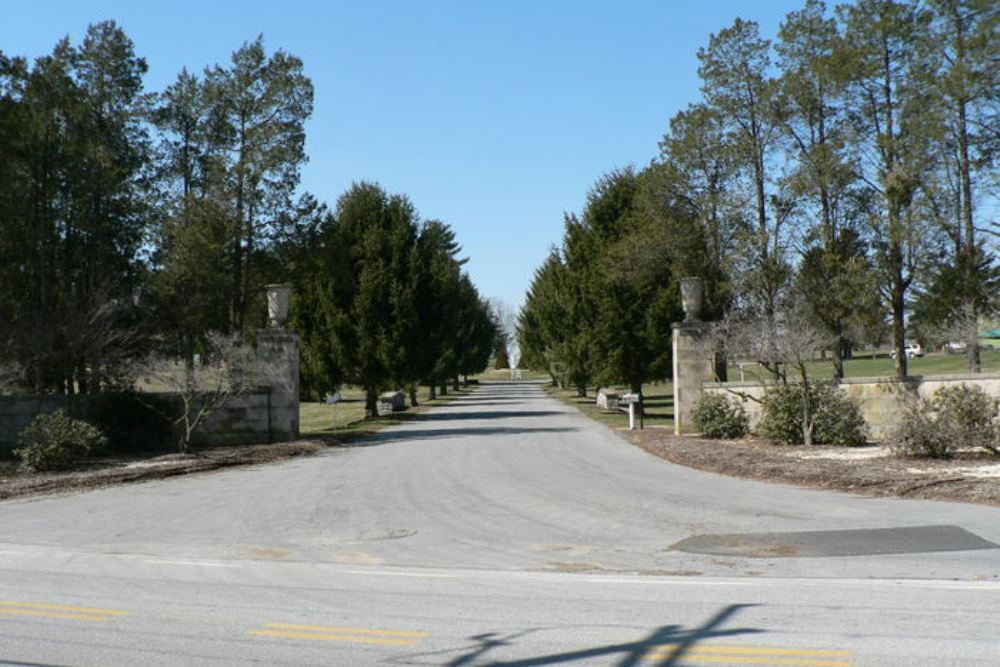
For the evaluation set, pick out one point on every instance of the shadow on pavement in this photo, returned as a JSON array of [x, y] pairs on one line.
[[487, 414], [663, 647], [463, 403], [383, 437]]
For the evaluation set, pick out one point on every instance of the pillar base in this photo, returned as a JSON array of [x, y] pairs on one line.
[[278, 352], [689, 372]]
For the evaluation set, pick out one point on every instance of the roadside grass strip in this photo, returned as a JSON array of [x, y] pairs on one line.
[[752, 655], [40, 610], [329, 633]]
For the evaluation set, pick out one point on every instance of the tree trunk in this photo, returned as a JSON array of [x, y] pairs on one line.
[[837, 352], [721, 366], [413, 396], [444, 388], [898, 309], [581, 390], [431, 391], [371, 403], [807, 412], [456, 384]]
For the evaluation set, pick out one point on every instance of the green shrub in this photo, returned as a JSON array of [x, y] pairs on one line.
[[56, 441], [717, 416], [955, 416], [968, 414], [837, 420]]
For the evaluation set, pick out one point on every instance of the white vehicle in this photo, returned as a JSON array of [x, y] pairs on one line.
[[912, 350]]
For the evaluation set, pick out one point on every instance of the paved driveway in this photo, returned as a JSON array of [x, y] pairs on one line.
[[504, 528]]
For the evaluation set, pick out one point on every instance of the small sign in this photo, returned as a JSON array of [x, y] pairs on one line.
[[629, 398], [334, 399]]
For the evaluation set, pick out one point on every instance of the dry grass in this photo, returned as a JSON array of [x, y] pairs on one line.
[[658, 400]]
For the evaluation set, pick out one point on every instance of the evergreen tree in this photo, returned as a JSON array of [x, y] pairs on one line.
[[813, 118], [74, 211], [438, 306], [735, 71], [962, 46], [261, 103], [887, 107]]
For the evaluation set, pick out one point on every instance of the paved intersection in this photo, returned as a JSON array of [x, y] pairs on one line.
[[503, 529]]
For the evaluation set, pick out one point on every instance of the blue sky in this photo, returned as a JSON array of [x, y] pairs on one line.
[[495, 117]]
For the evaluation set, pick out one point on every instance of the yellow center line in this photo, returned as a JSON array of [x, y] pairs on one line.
[[62, 607], [739, 660], [52, 614], [350, 631], [333, 638], [704, 648]]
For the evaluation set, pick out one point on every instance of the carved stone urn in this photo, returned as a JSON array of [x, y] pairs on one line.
[[691, 298], [278, 297]]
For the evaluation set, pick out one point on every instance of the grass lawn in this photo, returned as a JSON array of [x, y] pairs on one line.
[[864, 365], [346, 419], [658, 399]]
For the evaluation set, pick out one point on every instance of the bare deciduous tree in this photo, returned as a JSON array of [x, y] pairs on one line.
[[783, 347], [11, 378], [229, 369]]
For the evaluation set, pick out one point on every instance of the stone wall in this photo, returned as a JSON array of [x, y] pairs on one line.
[[880, 398], [16, 412], [242, 420], [270, 414]]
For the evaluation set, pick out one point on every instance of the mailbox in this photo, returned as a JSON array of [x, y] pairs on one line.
[[630, 398]]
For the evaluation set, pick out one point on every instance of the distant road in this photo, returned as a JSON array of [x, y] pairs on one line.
[[502, 529]]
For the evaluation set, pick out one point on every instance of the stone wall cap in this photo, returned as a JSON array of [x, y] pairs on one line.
[[736, 384], [392, 394], [690, 326], [874, 379]]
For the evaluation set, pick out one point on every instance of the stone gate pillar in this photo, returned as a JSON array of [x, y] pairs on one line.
[[690, 360], [278, 352], [689, 372]]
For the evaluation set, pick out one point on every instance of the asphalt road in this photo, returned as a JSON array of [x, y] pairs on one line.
[[503, 529]]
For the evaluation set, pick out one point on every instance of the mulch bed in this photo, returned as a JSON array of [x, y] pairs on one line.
[[107, 472], [875, 476]]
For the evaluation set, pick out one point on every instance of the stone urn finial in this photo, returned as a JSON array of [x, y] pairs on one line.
[[691, 298], [278, 297]]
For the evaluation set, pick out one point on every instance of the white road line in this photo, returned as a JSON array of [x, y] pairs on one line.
[[427, 575], [191, 562], [672, 582]]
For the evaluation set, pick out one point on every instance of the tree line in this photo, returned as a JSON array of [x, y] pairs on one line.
[[843, 175], [135, 221]]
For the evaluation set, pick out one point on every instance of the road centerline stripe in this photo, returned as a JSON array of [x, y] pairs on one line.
[[37, 613], [44, 610]]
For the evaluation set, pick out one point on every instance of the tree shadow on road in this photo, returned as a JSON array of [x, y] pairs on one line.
[[484, 414], [665, 646], [382, 437]]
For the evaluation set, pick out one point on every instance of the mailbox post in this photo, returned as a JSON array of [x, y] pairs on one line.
[[334, 400], [631, 400]]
